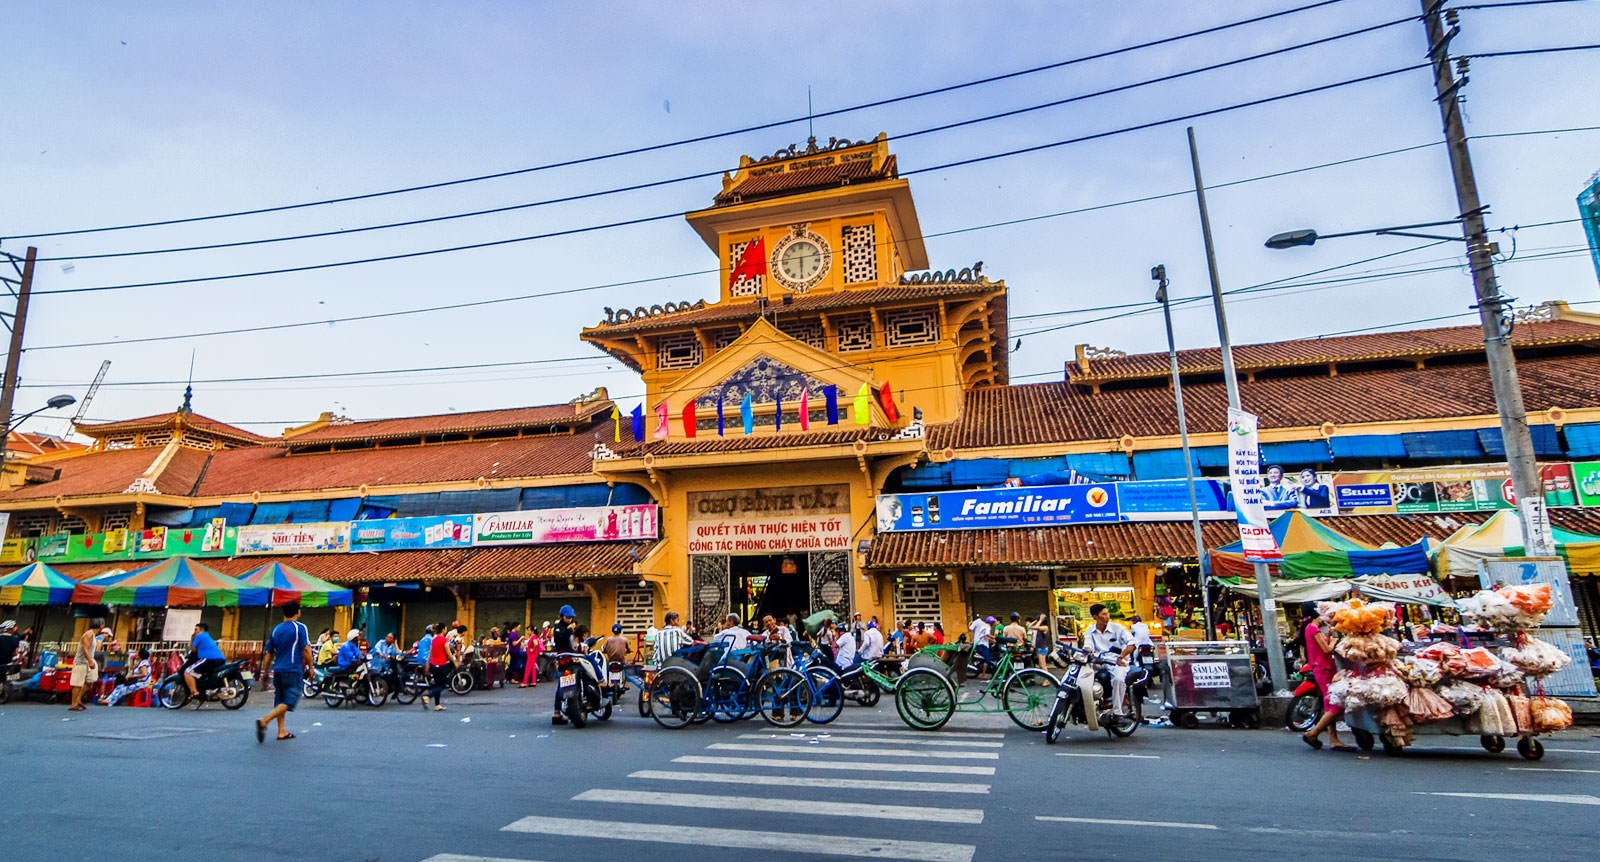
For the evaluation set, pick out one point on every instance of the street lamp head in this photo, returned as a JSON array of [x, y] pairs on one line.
[[1290, 239], [61, 401]]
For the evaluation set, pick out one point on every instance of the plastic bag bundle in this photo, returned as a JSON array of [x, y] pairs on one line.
[[1475, 663], [1371, 691], [1464, 696], [1494, 715], [1368, 649], [1508, 678], [1357, 617], [1425, 705], [1418, 671], [1534, 600], [1550, 714], [1521, 712], [1536, 658], [1490, 610], [1397, 725]]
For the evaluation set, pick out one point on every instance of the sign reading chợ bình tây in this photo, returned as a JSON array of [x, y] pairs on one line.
[[770, 520]]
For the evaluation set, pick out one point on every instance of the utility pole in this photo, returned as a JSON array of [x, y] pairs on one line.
[[8, 394], [1536, 535], [1159, 275]]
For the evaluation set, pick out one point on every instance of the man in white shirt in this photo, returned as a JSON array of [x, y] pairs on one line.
[[844, 651], [670, 638], [738, 636], [1106, 636], [979, 629], [872, 644], [1141, 632]]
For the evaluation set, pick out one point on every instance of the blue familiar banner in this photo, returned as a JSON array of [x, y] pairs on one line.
[[999, 507]]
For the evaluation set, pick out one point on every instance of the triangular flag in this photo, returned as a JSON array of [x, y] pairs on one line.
[[661, 422], [638, 423], [752, 262], [831, 394], [616, 424], [777, 412], [748, 415], [886, 401], [689, 420], [863, 410], [721, 427], [805, 409]]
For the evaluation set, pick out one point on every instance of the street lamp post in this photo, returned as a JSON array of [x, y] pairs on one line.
[[1159, 275], [55, 403]]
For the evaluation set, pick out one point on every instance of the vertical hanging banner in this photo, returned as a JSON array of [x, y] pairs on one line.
[[1244, 469]]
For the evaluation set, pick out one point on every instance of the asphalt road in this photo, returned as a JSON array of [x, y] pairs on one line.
[[490, 779]]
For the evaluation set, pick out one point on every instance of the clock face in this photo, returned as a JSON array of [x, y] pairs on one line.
[[800, 261]]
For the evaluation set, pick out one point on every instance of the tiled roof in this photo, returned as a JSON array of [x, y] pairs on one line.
[[454, 423], [95, 473], [736, 312], [183, 472], [24, 443], [170, 420], [1062, 412], [737, 442], [267, 469], [787, 182], [1322, 351], [516, 563]]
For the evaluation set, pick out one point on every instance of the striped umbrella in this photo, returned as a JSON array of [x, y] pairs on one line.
[[290, 584], [177, 582], [36, 584]]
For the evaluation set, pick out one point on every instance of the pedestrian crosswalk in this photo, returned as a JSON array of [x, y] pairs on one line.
[[793, 792]]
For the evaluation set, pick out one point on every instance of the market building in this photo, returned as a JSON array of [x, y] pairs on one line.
[[835, 428]]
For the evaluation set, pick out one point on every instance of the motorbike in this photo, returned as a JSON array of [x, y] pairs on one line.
[[10, 677], [579, 689], [225, 685], [1306, 707], [1090, 676]]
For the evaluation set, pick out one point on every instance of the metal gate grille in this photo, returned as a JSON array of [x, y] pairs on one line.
[[636, 608], [708, 590], [916, 600], [830, 582]]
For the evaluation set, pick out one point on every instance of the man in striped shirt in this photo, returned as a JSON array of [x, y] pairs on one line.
[[670, 639]]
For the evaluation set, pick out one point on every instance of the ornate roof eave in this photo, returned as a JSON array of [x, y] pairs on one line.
[[794, 449]]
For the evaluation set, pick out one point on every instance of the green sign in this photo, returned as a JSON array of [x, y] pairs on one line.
[[1587, 478], [155, 543]]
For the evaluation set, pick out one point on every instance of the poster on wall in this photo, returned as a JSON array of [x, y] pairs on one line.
[[1467, 488], [397, 534], [329, 538], [1037, 506], [589, 524], [1586, 479], [770, 520], [1305, 490], [1244, 469]]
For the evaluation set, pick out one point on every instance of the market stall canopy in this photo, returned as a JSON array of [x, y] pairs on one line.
[[1419, 589], [1459, 555], [290, 584], [1312, 549], [36, 584], [177, 582]]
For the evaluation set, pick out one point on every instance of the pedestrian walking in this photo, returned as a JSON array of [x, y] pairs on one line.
[[1319, 654], [288, 653], [442, 658], [84, 670]]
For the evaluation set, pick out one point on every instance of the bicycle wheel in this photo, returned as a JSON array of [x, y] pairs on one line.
[[827, 695], [1029, 697], [925, 699], [674, 698], [783, 697], [727, 694]]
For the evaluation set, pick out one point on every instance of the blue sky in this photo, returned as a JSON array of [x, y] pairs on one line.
[[124, 113]]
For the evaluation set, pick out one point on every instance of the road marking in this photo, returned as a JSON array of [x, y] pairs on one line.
[[744, 839], [925, 768], [1087, 754], [892, 730], [801, 781], [870, 740], [783, 806], [452, 857], [856, 752], [1569, 799], [1551, 769], [1161, 824]]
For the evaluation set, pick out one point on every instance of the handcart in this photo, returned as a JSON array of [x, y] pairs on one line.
[[1213, 677], [1369, 734]]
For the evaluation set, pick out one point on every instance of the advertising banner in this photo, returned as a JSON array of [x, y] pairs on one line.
[[1244, 469], [1168, 500], [1586, 478], [772, 520], [1008, 579], [541, 526], [1001, 507], [327, 538], [214, 539], [400, 534], [1466, 488], [19, 551]]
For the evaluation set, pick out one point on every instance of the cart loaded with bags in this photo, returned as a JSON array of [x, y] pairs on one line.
[[1483, 679]]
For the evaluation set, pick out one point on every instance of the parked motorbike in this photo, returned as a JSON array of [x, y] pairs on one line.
[[356, 685], [1306, 707], [225, 685], [10, 677], [1083, 697], [579, 691]]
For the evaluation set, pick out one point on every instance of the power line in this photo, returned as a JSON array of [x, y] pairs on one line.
[[1530, 51], [1056, 103], [712, 136]]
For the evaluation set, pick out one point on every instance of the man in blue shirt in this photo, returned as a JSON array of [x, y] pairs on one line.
[[207, 658], [350, 654], [288, 653]]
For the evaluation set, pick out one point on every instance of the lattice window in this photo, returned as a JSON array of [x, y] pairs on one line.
[[855, 333], [124, 441], [32, 524], [636, 608], [808, 331], [204, 444], [744, 285], [73, 524], [916, 599], [116, 519], [678, 352], [724, 337], [860, 253], [158, 438], [910, 327]]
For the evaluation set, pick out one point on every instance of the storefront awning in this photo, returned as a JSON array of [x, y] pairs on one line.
[[561, 560]]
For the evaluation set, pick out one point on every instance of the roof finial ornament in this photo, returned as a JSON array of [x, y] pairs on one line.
[[188, 390]]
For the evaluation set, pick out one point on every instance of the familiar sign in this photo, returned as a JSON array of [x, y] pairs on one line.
[[543, 526], [1045, 505]]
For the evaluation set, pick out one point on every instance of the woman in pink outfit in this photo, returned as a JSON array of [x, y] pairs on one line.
[[534, 646], [1319, 655]]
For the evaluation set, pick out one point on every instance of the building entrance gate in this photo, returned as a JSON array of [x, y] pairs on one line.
[[753, 585]]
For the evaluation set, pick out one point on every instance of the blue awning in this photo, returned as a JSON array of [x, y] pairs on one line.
[[344, 509], [1160, 464], [1368, 446], [308, 511], [1583, 441], [1442, 444], [1101, 465], [980, 472], [272, 513], [1545, 441], [1215, 457], [1297, 453], [236, 513]]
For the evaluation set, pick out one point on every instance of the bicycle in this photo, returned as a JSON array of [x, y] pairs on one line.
[[926, 695]]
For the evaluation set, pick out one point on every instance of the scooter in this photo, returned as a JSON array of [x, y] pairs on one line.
[[225, 685], [578, 689], [1083, 696], [1306, 707]]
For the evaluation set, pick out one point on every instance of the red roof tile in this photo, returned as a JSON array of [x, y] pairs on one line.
[[183, 472], [1322, 351], [757, 185], [540, 417], [1062, 412], [95, 473], [21, 443], [169, 420]]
